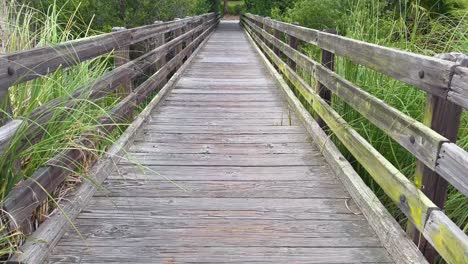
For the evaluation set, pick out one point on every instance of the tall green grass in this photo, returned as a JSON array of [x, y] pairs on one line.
[[29, 28]]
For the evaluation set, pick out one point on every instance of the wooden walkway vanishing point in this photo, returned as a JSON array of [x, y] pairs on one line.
[[226, 174], [233, 158]]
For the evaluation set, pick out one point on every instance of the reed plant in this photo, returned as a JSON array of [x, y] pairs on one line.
[[29, 28]]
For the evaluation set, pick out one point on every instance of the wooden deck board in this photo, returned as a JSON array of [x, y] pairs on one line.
[[222, 173]]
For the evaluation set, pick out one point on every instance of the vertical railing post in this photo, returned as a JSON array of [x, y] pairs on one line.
[[178, 48], [444, 117], [328, 61], [268, 30], [293, 43], [121, 57], [159, 40], [277, 34], [189, 27]]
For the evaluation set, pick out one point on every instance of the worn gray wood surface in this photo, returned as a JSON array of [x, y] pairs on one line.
[[226, 192]]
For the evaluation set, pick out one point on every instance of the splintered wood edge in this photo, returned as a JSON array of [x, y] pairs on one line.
[[38, 246], [393, 238]]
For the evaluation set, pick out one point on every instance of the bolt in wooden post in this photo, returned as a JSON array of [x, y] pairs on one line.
[[293, 43], [121, 57], [443, 117], [328, 60]]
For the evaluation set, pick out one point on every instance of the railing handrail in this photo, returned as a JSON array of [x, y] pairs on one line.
[[22, 66], [434, 75], [435, 151]]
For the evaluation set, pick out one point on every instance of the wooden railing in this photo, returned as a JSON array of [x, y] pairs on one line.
[[173, 42], [432, 142]]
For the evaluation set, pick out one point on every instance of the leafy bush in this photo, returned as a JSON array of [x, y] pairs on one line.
[[318, 14], [236, 9]]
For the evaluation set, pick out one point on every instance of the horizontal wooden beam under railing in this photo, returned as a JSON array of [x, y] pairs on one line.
[[436, 76]]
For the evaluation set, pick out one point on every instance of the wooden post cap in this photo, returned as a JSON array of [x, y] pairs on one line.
[[457, 57]]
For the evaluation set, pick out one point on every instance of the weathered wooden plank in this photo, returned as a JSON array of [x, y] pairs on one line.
[[7, 132], [209, 228], [227, 189], [417, 138], [226, 105], [265, 239], [410, 200], [218, 254], [263, 109], [400, 247], [234, 149], [427, 73], [216, 138], [320, 173], [451, 242], [225, 130], [225, 122], [144, 159], [226, 98], [125, 205]]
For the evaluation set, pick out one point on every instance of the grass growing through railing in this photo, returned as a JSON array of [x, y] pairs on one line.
[[29, 28], [366, 20], [408, 27]]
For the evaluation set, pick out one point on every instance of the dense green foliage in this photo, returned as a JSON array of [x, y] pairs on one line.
[[265, 7], [234, 7], [105, 14], [428, 27]]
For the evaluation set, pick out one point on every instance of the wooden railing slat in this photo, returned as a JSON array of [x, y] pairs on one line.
[[451, 242], [436, 76], [7, 132], [28, 65]]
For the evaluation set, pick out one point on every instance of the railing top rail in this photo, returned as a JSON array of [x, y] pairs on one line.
[[26, 65], [439, 77]]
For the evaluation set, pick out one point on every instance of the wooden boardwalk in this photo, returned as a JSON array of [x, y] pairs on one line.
[[225, 174]]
